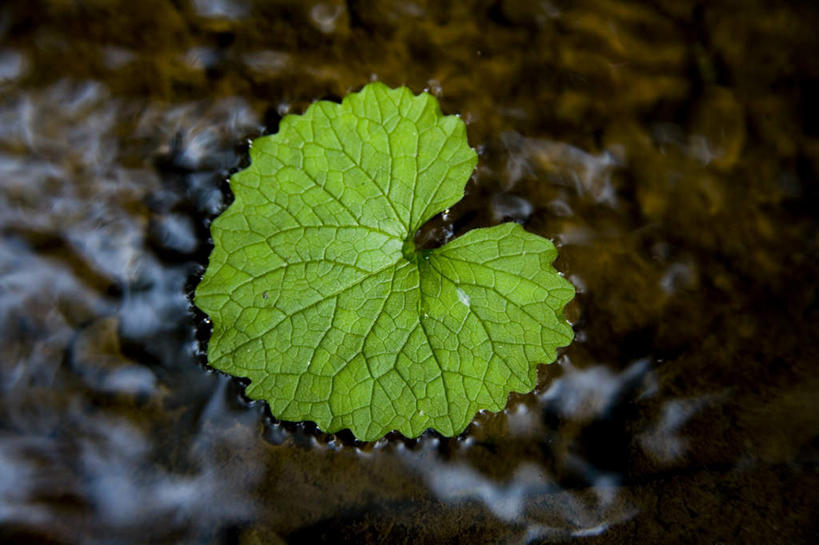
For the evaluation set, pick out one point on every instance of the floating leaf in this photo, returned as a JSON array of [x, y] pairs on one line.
[[318, 295]]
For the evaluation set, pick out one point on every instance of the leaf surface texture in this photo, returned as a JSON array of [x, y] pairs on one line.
[[318, 296]]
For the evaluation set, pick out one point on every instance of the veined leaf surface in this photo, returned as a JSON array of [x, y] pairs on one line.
[[318, 295]]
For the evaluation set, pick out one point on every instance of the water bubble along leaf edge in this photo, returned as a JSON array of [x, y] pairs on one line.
[[318, 295]]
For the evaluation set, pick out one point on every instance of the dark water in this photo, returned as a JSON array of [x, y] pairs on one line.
[[671, 148]]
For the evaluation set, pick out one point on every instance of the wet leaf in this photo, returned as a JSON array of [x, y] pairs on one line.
[[319, 297]]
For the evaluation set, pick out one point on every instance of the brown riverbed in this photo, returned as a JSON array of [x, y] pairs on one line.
[[670, 149]]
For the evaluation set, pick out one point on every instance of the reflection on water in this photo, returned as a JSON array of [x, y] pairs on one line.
[[675, 175], [560, 164], [664, 441], [105, 484], [586, 394], [533, 501]]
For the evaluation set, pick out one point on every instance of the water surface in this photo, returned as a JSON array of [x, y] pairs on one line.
[[671, 149]]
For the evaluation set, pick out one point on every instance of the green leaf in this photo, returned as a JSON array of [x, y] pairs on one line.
[[318, 295]]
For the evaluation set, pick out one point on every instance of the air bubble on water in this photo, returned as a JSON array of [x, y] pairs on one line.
[[465, 440], [448, 233], [578, 283], [326, 16], [283, 108]]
